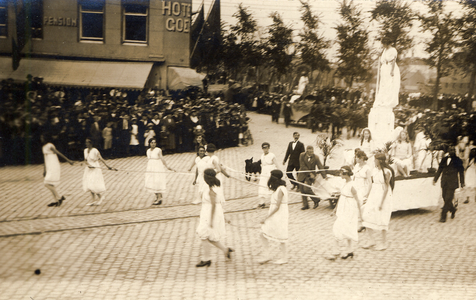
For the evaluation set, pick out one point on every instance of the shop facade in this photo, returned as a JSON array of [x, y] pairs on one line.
[[96, 43]]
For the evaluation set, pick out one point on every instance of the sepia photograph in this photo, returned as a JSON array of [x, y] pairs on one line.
[[237, 149]]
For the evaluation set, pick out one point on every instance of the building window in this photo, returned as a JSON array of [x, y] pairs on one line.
[[135, 14], [36, 17], [91, 20], [3, 18]]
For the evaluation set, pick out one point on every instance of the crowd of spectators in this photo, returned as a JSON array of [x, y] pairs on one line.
[[120, 123]]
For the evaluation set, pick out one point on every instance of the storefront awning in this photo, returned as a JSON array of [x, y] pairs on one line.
[[127, 75], [180, 78]]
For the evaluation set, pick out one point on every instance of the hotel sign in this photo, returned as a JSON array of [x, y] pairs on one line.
[[54, 21], [179, 20]]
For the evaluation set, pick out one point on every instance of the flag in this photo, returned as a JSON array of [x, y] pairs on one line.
[[195, 32], [22, 28]]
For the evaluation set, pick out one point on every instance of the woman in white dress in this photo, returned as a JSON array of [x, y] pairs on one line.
[[155, 181], [275, 226], [211, 229], [402, 155], [52, 170], [93, 181], [363, 179], [268, 163], [378, 208], [388, 85], [470, 176], [215, 164], [348, 212], [202, 162], [462, 149]]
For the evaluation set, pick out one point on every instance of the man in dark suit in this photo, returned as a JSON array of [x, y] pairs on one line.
[[308, 161], [450, 167], [295, 148]]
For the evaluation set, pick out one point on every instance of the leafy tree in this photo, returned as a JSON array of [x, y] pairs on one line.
[[444, 30], [396, 20], [312, 45], [247, 49], [352, 37], [279, 39], [231, 54], [468, 44]]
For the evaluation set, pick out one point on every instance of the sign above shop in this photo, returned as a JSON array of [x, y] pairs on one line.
[[54, 21], [180, 16]]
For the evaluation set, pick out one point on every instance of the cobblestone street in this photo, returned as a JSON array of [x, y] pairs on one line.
[[126, 249]]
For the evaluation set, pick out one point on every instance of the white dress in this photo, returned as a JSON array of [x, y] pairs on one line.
[[211, 164], [202, 164], [267, 165], [470, 175], [52, 165], [361, 184], [93, 181], [346, 224], [218, 231], [134, 132], [276, 227], [389, 86], [155, 181], [372, 217]]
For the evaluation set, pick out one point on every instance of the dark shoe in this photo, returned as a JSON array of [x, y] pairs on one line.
[[60, 201], [351, 255], [228, 254], [304, 208], [316, 205], [361, 229], [157, 202], [53, 204], [466, 201], [204, 263], [453, 214], [442, 220]]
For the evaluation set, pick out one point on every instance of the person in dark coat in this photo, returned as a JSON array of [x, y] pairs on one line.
[[449, 168], [287, 112], [295, 148], [308, 161]]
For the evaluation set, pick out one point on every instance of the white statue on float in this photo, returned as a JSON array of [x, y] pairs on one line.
[[303, 81], [381, 117]]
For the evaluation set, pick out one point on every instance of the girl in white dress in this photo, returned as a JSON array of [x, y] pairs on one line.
[[348, 212], [268, 163], [211, 229], [93, 181], [155, 181], [275, 226], [214, 163], [402, 155], [52, 170], [470, 175], [202, 162], [367, 144], [363, 179], [378, 209]]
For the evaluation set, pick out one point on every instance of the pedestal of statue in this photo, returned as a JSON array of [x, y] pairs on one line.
[[381, 125]]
